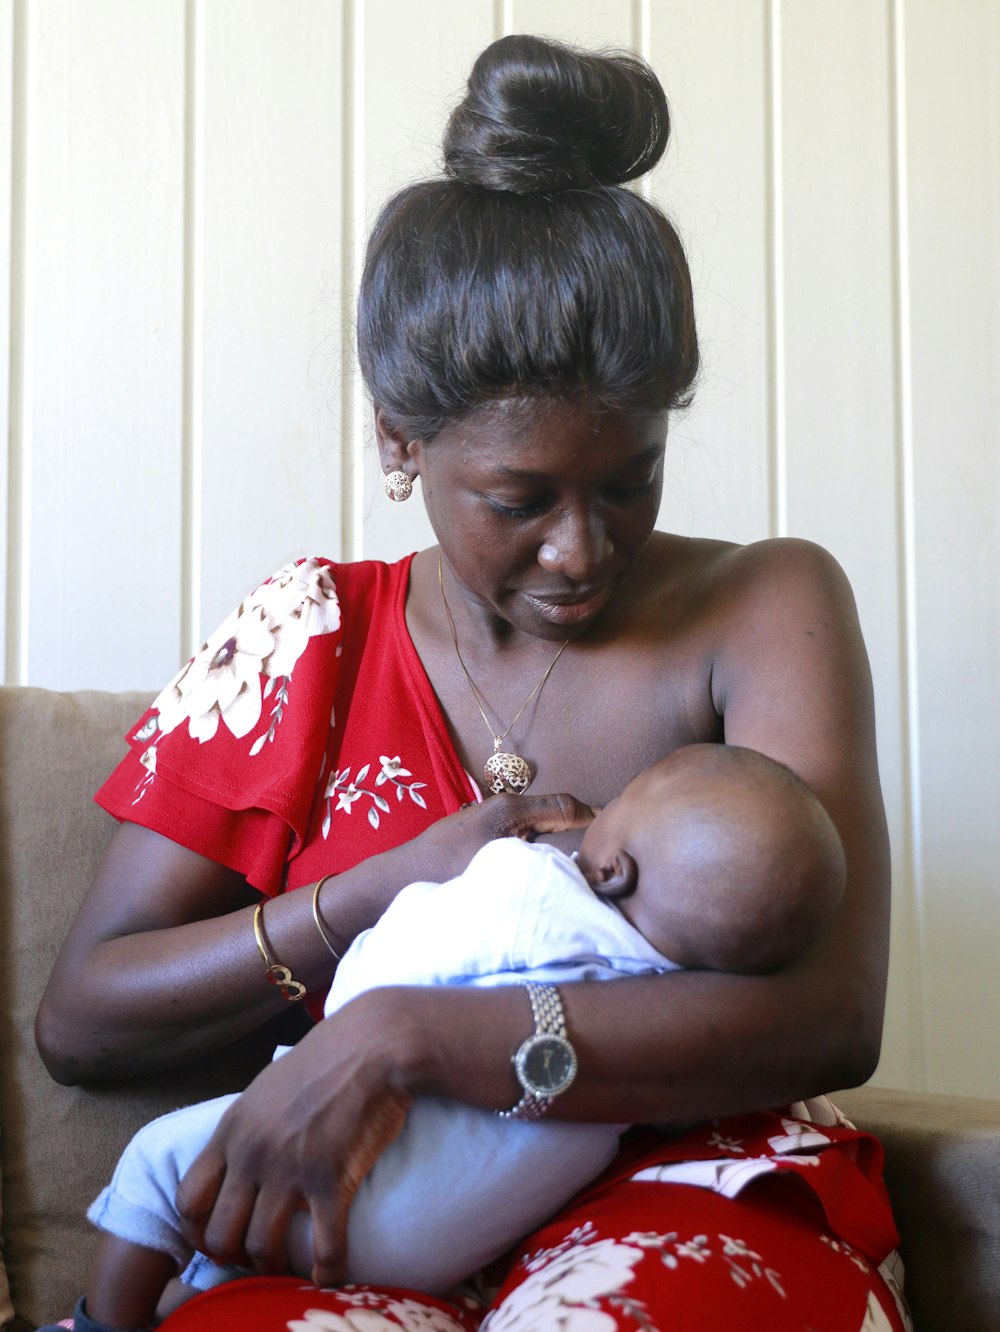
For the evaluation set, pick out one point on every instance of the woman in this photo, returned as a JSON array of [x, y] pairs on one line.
[[525, 328]]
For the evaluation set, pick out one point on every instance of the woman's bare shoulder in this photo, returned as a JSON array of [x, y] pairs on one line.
[[793, 587], [716, 580], [731, 558]]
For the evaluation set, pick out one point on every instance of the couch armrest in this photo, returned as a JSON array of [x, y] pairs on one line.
[[942, 1168]]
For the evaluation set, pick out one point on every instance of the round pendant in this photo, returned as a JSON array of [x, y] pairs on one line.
[[506, 774]]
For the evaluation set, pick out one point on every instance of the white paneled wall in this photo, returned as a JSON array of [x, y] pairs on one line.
[[951, 138], [185, 187], [100, 190], [266, 157]]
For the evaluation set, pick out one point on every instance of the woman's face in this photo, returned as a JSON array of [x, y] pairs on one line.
[[541, 506]]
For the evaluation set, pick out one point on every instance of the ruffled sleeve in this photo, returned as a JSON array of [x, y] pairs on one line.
[[227, 759]]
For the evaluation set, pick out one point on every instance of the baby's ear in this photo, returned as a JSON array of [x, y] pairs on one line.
[[616, 877]]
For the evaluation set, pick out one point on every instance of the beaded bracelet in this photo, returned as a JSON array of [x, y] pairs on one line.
[[278, 974]]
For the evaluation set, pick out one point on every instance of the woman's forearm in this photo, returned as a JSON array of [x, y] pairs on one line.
[[162, 963], [140, 987], [682, 1047]]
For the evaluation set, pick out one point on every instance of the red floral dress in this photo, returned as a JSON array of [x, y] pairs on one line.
[[305, 736]]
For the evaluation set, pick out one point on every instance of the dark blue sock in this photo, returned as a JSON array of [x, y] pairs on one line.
[[82, 1322]]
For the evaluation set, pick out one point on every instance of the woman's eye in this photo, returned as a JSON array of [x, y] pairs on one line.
[[623, 494], [516, 510]]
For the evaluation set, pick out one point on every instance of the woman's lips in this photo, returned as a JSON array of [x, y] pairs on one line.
[[569, 610]]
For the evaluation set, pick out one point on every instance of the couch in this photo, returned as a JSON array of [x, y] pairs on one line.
[[58, 1144]]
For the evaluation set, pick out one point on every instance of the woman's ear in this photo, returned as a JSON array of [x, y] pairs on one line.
[[616, 877], [394, 449]]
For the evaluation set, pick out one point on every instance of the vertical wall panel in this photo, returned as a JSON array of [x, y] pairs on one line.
[[838, 411], [103, 289], [414, 74], [591, 23], [712, 59], [7, 131], [269, 165], [953, 140]]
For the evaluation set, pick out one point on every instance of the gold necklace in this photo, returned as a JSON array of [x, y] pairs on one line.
[[504, 772]]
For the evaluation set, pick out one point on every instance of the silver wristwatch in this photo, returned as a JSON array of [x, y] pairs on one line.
[[546, 1062]]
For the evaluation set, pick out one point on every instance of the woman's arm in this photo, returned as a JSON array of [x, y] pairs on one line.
[[161, 963], [790, 677]]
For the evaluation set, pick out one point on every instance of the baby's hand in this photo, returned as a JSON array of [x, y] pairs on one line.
[[446, 848]]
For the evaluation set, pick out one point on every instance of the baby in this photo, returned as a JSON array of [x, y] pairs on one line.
[[715, 858]]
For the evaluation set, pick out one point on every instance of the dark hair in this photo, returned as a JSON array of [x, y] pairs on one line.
[[529, 270]]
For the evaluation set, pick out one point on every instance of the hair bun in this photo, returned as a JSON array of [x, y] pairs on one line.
[[541, 116]]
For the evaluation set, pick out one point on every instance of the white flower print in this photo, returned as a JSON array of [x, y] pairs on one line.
[[841, 1246], [391, 768], [300, 602], [751, 1265], [416, 1317], [724, 1144], [320, 1320], [347, 797], [355, 1320], [696, 1247], [876, 1319], [147, 731], [148, 760], [737, 1248], [348, 789], [222, 681], [891, 1272], [392, 771], [393, 1315], [651, 1239], [264, 636], [798, 1137], [561, 1288]]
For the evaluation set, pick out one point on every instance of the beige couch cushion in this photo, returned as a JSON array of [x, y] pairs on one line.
[[942, 1168], [59, 1144]]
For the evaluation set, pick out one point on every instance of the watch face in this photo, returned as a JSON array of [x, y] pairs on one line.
[[546, 1065]]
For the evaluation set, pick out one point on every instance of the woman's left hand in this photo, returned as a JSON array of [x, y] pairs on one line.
[[302, 1137]]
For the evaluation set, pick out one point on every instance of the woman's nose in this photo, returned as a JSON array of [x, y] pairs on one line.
[[576, 547]]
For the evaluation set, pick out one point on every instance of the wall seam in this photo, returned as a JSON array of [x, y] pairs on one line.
[[19, 365], [350, 460], [641, 28], [909, 717], [354, 461], [642, 42], [774, 263], [193, 325]]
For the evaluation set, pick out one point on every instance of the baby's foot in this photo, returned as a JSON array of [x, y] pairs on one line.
[[82, 1322]]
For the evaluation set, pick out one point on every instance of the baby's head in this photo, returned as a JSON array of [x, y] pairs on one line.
[[721, 857]]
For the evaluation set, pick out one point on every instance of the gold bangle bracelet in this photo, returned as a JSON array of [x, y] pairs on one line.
[[276, 973], [316, 916]]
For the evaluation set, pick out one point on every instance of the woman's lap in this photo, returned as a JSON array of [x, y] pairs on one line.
[[646, 1256], [635, 1256]]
